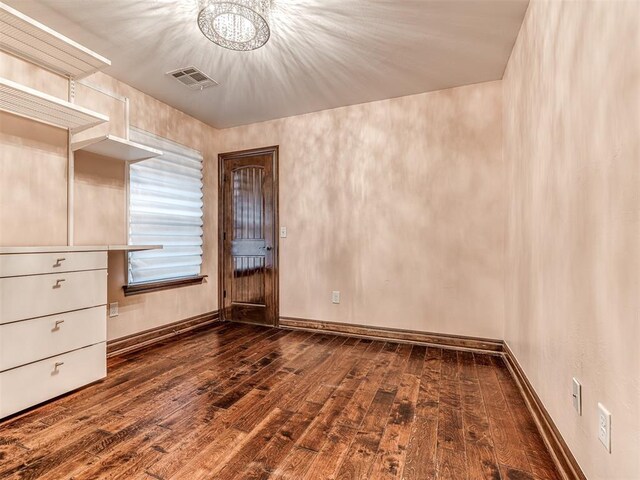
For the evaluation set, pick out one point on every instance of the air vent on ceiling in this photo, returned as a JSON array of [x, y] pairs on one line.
[[193, 78]]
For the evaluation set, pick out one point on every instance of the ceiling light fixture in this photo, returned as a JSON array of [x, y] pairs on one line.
[[236, 24]]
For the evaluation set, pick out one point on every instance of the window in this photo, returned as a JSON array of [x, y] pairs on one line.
[[165, 208]]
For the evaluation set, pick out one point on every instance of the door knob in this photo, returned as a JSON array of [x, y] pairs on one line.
[[269, 248]]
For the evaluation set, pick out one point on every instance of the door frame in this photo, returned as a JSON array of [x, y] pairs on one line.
[[222, 157]]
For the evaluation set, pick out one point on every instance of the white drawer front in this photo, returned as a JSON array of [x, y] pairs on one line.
[[31, 340], [37, 263], [31, 384], [40, 295]]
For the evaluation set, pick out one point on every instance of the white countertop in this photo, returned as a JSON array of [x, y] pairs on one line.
[[78, 248]]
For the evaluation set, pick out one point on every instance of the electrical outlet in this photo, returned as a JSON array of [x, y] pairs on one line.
[[604, 426], [577, 396], [113, 309], [283, 232], [335, 296]]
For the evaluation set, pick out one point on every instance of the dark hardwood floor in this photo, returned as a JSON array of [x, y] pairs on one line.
[[244, 402]]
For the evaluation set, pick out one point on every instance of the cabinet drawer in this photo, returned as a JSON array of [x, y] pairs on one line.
[[38, 263], [31, 384], [38, 338], [41, 295]]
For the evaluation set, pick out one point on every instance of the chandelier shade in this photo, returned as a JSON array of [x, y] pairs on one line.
[[236, 24]]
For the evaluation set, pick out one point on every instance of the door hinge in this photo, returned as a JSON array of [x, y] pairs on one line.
[[224, 235], [224, 294]]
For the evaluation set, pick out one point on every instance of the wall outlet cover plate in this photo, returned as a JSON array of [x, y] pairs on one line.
[[604, 426]]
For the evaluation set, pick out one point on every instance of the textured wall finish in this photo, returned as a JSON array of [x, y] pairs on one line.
[[33, 166], [572, 147], [33, 173], [100, 200], [398, 204]]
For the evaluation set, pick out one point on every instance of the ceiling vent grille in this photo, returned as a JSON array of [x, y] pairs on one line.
[[193, 78]]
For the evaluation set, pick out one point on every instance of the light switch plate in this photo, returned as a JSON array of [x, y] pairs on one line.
[[577, 396], [113, 309], [335, 296], [604, 426], [283, 232]]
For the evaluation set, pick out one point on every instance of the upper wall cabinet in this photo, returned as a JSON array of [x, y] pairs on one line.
[[37, 43]]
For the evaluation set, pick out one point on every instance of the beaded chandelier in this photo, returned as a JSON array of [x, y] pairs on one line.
[[236, 24]]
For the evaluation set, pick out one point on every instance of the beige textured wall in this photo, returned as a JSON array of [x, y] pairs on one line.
[[397, 204], [33, 190], [33, 173], [572, 146], [33, 166]]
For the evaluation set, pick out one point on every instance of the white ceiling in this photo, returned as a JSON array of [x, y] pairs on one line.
[[322, 53]]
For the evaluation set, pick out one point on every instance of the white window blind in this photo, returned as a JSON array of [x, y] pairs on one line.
[[165, 208]]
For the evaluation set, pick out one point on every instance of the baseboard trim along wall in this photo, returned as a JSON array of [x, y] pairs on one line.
[[397, 335], [145, 338], [564, 459]]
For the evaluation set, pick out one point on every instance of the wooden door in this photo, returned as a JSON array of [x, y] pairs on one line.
[[248, 241]]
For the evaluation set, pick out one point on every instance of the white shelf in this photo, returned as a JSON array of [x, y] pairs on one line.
[[24, 37], [115, 147], [132, 248], [27, 102]]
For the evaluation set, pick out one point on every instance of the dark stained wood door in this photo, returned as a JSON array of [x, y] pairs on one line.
[[248, 214]]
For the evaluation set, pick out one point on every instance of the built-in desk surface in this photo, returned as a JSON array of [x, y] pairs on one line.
[[79, 248]]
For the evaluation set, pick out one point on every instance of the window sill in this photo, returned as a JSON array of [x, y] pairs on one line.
[[140, 288]]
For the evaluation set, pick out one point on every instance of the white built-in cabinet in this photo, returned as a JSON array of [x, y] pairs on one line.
[[53, 327], [53, 321]]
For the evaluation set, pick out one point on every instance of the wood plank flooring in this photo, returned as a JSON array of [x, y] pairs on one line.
[[236, 401]]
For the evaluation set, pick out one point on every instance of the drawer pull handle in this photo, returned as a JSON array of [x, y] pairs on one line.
[[59, 283], [59, 262], [56, 367], [57, 325]]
